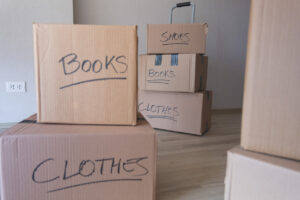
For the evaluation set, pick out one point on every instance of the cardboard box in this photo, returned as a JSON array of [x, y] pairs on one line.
[[271, 110], [176, 38], [258, 176], [86, 74], [187, 73], [62, 162], [181, 112]]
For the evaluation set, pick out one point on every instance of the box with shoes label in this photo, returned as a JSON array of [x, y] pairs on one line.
[[176, 38]]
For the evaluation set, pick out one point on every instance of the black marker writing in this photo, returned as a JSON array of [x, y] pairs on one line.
[[159, 111], [71, 64], [92, 80], [167, 73], [160, 76], [172, 38], [93, 169], [38, 167]]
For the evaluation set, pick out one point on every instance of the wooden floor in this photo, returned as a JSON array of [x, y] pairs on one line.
[[193, 167]]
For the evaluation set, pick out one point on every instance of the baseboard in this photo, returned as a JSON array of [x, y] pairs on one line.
[[214, 111], [7, 125], [227, 111]]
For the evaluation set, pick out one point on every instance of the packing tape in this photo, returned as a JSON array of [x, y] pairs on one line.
[[174, 59]]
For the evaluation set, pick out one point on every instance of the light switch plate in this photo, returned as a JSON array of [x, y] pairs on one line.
[[15, 86]]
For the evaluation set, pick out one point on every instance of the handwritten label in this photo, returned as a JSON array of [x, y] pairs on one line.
[[90, 172], [174, 38], [71, 64], [160, 76], [159, 111]]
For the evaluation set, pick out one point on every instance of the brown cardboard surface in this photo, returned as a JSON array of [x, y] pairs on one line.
[[271, 108], [176, 38], [189, 75], [181, 112], [259, 176], [86, 74], [60, 162]]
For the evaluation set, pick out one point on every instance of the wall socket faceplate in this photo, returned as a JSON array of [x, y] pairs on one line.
[[15, 86]]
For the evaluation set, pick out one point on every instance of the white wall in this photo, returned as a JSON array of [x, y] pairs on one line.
[[226, 42], [16, 49]]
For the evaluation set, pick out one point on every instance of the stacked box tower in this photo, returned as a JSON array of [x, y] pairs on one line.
[[173, 76], [86, 77]]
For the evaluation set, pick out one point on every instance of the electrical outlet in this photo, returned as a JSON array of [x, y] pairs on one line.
[[15, 86]]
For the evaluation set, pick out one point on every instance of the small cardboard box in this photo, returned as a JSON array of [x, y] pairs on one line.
[[186, 73], [181, 112], [271, 108], [86, 74], [259, 176], [176, 38], [60, 162]]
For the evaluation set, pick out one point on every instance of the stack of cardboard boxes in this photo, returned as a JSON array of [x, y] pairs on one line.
[[85, 75], [172, 78], [267, 166]]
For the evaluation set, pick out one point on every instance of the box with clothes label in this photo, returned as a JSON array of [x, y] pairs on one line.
[[63, 161], [177, 111]]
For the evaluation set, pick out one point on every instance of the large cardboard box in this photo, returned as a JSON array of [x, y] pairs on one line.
[[271, 110], [185, 73], [62, 162], [176, 38], [259, 176], [86, 74], [181, 112]]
